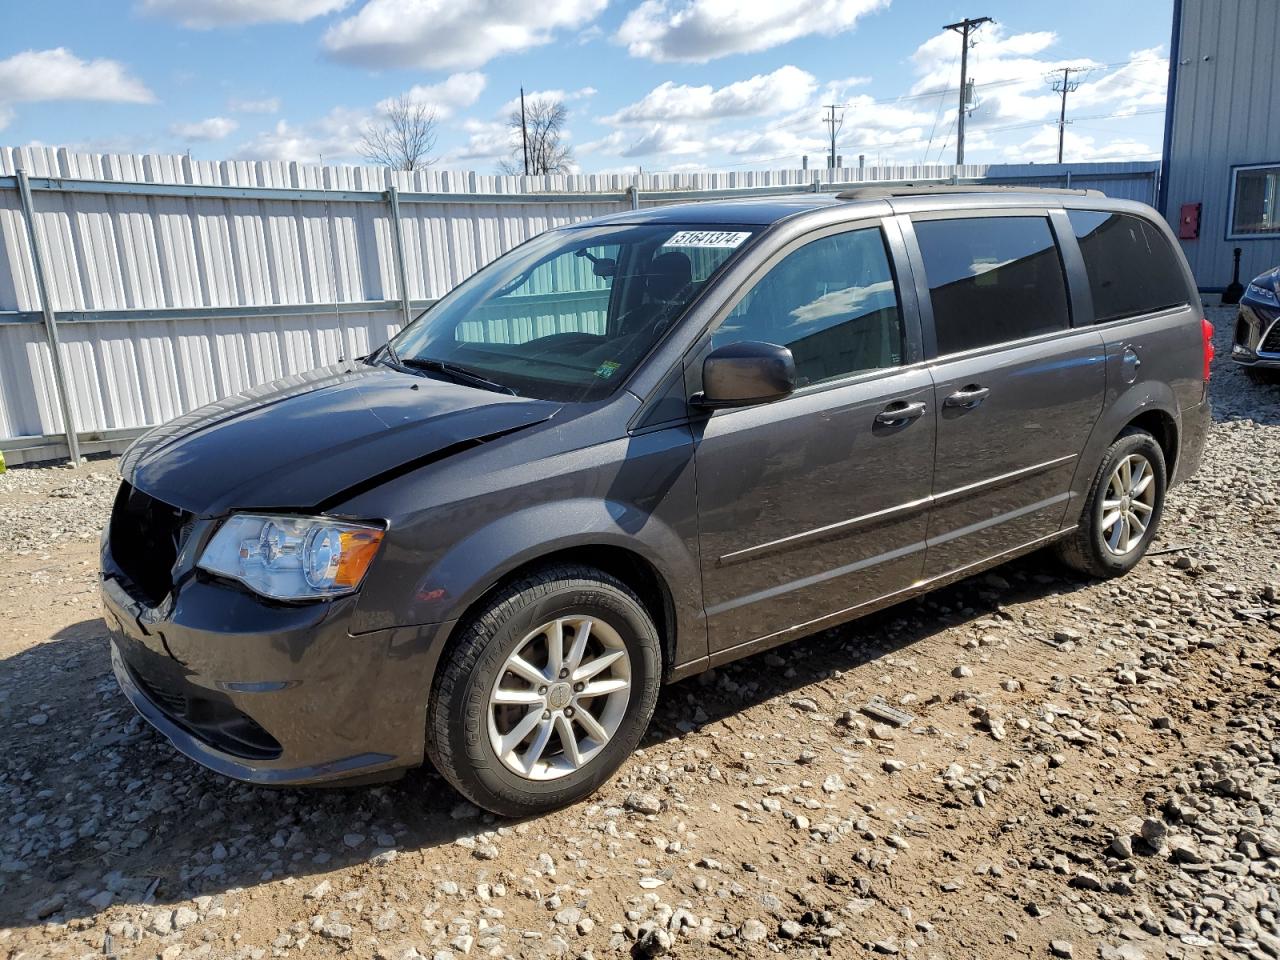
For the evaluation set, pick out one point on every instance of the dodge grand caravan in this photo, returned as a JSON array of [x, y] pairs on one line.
[[636, 448]]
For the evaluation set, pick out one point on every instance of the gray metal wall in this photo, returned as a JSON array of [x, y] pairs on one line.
[[174, 282], [1226, 111]]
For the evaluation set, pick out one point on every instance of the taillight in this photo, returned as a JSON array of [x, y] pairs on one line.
[[1206, 331]]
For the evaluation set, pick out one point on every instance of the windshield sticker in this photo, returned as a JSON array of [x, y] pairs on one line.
[[707, 238], [606, 369]]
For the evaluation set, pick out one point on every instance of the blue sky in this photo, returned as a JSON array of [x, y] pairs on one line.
[[659, 84]]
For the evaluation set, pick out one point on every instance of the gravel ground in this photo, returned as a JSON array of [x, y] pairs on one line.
[[1093, 771]]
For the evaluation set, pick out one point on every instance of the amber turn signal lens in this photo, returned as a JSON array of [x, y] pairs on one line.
[[358, 550]]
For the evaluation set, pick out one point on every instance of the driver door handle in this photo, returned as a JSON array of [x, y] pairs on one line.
[[901, 412], [968, 397]]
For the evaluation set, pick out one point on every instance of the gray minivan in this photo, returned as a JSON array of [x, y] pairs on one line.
[[638, 447]]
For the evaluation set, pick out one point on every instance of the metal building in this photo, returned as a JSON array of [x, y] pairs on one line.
[[1220, 187]]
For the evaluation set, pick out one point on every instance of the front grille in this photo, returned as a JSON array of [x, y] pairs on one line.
[[1271, 344], [146, 535]]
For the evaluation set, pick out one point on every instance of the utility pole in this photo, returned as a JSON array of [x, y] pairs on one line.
[[524, 133], [964, 27], [1064, 86], [835, 123]]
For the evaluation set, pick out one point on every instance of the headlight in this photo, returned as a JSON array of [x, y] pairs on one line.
[[1262, 293], [292, 558]]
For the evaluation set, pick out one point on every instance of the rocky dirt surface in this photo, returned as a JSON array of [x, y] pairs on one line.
[[1092, 770]]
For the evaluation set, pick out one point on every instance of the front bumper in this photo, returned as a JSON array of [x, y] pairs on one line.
[[272, 693], [1256, 339]]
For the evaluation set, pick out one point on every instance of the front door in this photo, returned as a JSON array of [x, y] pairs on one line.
[[817, 504], [1018, 390]]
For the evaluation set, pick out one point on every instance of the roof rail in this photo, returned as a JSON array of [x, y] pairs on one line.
[[927, 189]]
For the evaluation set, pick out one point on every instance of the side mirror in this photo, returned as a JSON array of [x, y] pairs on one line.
[[745, 373]]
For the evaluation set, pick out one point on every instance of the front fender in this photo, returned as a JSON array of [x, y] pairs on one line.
[[472, 565]]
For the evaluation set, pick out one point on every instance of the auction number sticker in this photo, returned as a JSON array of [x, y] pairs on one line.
[[707, 238]]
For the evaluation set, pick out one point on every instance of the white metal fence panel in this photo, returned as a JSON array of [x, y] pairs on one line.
[[178, 282]]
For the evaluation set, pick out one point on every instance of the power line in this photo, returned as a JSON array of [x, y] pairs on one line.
[[964, 27]]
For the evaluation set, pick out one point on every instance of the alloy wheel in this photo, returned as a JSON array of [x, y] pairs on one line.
[[560, 697], [1128, 504]]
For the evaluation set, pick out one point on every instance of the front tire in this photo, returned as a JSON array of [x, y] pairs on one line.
[[546, 692], [1263, 376], [1122, 510]]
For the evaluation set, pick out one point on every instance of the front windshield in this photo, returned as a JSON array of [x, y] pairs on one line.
[[568, 315]]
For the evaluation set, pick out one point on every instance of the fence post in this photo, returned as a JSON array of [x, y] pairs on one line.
[[634, 193], [50, 319], [402, 275]]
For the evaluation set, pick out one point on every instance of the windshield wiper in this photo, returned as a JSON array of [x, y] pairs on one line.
[[461, 374]]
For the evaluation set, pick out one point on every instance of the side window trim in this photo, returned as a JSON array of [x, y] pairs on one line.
[[891, 235], [1079, 293]]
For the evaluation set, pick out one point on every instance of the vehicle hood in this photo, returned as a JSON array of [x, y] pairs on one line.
[[1269, 280], [303, 441]]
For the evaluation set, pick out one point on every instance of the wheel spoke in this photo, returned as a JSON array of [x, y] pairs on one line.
[[539, 744], [598, 665], [1111, 504], [1126, 475], [1141, 486], [555, 648], [1117, 531], [521, 730], [600, 688], [580, 636], [568, 740], [1145, 508], [1136, 479], [504, 695], [1109, 519], [523, 668], [1135, 525], [590, 724]]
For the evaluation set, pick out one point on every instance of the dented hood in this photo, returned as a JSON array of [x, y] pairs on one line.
[[301, 442]]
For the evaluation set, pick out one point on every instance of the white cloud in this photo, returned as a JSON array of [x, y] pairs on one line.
[[445, 34], [265, 105], [563, 96], [58, 74], [212, 128], [787, 88], [696, 31], [487, 141], [456, 90], [204, 14], [333, 138]]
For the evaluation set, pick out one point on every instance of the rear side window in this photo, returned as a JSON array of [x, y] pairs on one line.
[[832, 302], [992, 280], [1130, 264]]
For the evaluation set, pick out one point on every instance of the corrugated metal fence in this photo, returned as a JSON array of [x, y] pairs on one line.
[[172, 282]]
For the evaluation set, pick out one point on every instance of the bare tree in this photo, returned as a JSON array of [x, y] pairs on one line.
[[402, 138], [548, 153]]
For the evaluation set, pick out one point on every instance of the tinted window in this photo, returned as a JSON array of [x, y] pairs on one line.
[[1130, 264], [832, 302], [992, 279]]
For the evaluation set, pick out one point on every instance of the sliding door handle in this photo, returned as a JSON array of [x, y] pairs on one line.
[[968, 397], [901, 412]]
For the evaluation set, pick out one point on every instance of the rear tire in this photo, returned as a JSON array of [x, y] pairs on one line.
[[504, 706], [1120, 514]]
